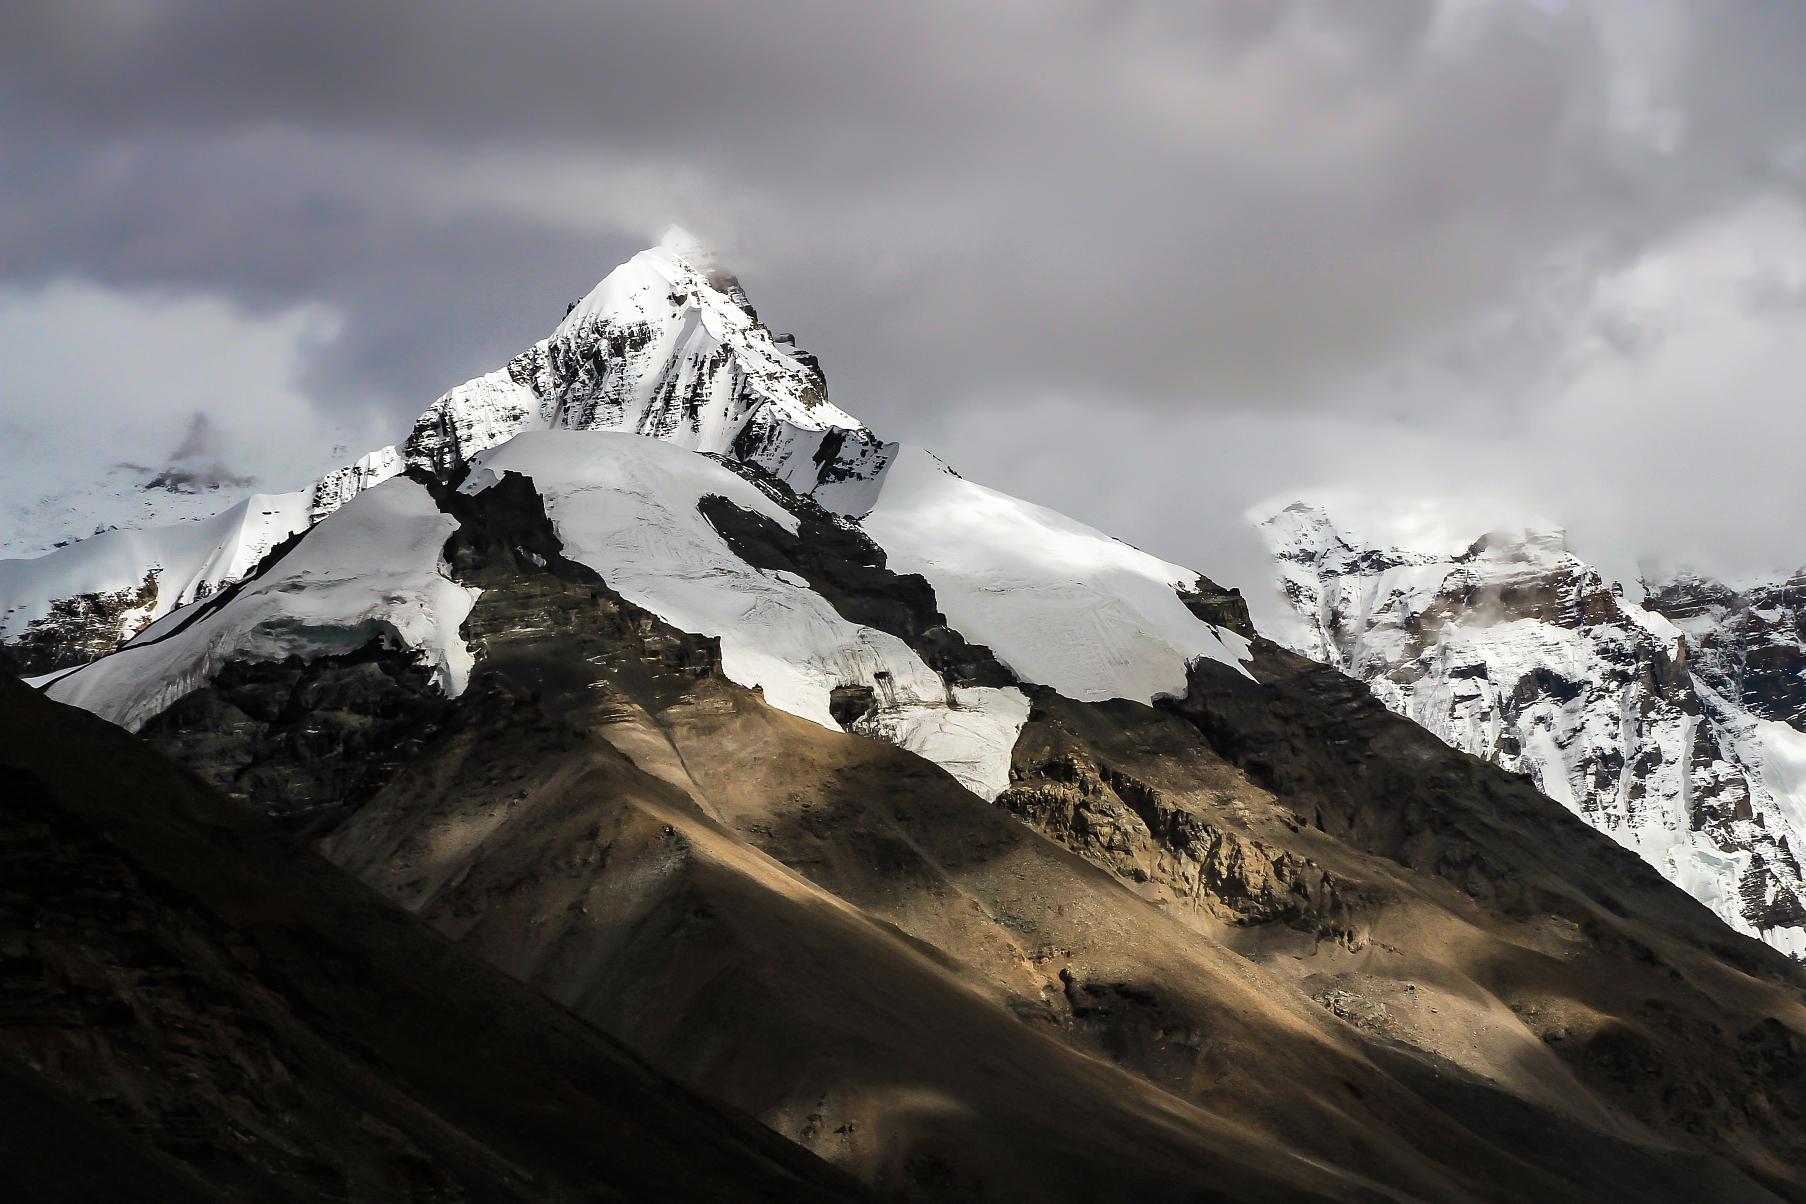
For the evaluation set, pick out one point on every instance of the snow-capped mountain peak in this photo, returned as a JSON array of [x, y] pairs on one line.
[[669, 346], [1670, 734], [667, 357], [197, 464]]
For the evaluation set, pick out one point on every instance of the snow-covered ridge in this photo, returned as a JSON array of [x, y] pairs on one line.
[[1519, 652], [372, 570], [663, 360], [1062, 604], [182, 562]]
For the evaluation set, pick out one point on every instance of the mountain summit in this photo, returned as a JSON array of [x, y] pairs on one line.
[[667, 345], [686, 246]]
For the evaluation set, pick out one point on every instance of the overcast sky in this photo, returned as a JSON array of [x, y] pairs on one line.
[[1450, 265]]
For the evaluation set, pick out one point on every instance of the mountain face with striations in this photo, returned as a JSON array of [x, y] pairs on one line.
[[1675, 726], [1748, 645], [973, 851]]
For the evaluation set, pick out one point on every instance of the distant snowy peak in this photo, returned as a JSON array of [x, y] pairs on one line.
[[666, 346], [1303, 533], [196, 466], [1656, 724], [192, 483]]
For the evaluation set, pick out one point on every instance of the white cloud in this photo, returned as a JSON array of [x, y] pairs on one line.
[[94, 377]]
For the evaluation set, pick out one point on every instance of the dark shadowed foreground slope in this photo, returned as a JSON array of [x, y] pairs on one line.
[[192, 1010]]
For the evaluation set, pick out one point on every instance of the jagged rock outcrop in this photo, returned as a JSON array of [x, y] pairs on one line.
[[1143, 835], [82, 627], [1748, 645], [1519, 652], [666, 346]]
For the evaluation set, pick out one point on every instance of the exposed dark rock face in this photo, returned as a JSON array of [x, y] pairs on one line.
[[583, 631], [1749, 646], [312, 738], [319, 737], [193, 1009], [1145, 836], [80, 628], [1215, 604]]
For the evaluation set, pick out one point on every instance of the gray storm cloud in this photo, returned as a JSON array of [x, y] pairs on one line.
[[1487, 258]]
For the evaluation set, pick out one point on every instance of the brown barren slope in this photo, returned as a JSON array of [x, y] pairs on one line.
[[193, 1008], [1266, 941]]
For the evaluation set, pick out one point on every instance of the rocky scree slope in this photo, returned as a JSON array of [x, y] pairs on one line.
[[1669, 725]]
